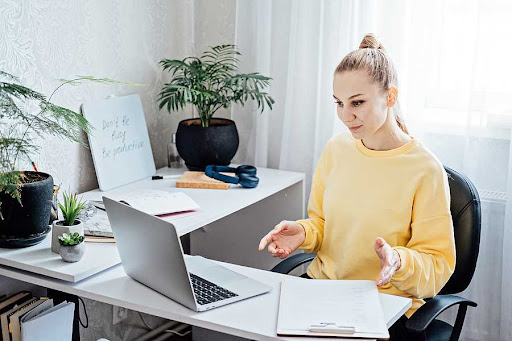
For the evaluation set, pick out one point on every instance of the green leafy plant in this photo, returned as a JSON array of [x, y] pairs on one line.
[[70, 207], [71, 239], [19, 126], [210, 83]]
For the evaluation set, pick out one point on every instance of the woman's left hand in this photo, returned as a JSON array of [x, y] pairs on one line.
[[389, 261]]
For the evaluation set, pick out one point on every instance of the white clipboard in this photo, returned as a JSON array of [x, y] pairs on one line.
[[336, 308]]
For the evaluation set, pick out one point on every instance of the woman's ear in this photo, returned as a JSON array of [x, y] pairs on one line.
[[392, 96]]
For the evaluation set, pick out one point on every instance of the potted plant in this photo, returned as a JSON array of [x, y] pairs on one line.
[[26, 196], [72, 247], [70, 207], [210, 83]]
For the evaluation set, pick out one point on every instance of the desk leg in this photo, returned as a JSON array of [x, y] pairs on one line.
[[59, 297]]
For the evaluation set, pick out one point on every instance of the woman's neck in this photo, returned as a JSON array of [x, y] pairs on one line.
[[386, 139]]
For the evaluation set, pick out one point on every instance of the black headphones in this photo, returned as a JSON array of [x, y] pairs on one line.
[[246, 175]]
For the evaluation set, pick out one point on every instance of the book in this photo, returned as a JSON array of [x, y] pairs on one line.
[[157, 202], [14, 318], [97, 239], [98, 225], [4, 318], [53, 324], [10, 301]]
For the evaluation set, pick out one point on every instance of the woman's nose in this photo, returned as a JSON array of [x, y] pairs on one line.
[[345, 115]]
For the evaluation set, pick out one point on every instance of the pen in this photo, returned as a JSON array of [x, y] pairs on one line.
[[33, 165], [98, 204], [160, 177]]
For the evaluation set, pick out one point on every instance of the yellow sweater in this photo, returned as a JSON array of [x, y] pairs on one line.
[[401, 195]]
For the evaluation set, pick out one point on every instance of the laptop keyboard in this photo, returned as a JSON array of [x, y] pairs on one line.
[[207, 292]]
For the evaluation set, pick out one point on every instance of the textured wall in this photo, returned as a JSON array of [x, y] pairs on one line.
[[43, 41]]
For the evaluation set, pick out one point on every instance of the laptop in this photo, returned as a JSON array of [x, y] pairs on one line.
[[151, 253]]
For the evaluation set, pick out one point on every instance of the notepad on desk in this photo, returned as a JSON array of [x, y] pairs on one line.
[[154, 202], [336, 308], [157, 202]]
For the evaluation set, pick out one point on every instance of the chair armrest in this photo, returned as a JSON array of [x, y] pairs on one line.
[[292, 262], [422, 318]]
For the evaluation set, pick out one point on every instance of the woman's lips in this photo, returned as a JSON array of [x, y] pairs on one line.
[[355, 128]]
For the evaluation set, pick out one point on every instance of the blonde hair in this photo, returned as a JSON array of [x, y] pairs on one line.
[[371, 56]]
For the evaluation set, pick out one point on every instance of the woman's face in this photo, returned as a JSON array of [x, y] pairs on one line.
[[361, 104]]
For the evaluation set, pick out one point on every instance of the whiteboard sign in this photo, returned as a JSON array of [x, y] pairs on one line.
[[119, 141]]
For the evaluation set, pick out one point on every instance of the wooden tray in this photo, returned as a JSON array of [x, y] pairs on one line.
[[191, 179]]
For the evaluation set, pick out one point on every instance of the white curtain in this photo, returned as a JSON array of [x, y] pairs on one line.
[[455, 83]]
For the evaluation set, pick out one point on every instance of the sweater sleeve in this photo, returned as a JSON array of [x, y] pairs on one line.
[[314, 224], [428, 259]]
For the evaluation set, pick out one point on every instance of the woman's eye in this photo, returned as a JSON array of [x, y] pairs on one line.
[[355, 103]]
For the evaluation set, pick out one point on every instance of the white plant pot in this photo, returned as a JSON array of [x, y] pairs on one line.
[[72, 253], [58, 230]]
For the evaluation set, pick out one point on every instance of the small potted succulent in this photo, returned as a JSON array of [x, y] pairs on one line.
[[210, 83], [70, 207], [72, 247]]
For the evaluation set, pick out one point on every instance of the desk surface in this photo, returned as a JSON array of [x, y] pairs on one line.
[[41, 260], [254, 318], [215, 204]]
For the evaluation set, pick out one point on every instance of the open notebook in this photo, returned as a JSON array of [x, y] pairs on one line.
[[157, 202], [154, 202], [339, 308]]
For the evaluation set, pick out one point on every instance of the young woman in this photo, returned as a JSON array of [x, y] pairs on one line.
[[379, 207]]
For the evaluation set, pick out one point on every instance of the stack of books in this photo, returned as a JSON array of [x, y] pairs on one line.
[[27, 318]]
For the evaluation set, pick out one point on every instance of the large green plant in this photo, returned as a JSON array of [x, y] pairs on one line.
[[20, 126], [210, 83]]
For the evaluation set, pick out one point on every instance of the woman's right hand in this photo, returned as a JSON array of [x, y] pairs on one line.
[[285, 238]]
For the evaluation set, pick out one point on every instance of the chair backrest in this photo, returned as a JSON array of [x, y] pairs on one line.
[[466, 216]]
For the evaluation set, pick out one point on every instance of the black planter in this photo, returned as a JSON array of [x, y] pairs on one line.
[[202, 146], [28, 224]]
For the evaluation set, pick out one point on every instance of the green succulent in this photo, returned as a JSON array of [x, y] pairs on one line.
[[71, 239], [210, 83], [70, 207]]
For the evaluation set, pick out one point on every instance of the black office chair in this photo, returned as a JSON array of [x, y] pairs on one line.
[[466, 216]]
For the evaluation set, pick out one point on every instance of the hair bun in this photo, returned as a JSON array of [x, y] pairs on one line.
[[371, 42]]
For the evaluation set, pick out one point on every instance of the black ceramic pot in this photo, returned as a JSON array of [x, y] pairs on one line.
[[201, 146], [28, 224]]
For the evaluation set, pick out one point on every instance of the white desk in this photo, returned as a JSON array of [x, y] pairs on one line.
[[215, 203], [254, 318], [236, 212], [41, 260]]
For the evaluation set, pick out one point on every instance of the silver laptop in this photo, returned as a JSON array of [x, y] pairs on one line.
[[151, 253]]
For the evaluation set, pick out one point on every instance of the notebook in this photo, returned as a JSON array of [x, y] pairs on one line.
[[154, 202], [53, 324], [157, 202], [334, 308]]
